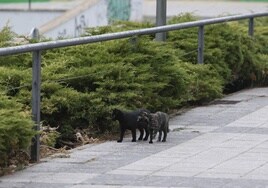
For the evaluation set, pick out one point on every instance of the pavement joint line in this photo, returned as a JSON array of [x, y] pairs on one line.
[[255, 169], [234, 158]]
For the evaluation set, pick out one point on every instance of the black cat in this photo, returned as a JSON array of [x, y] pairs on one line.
[[128, 120]]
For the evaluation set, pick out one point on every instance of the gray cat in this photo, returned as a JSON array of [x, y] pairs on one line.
[[157, 122]]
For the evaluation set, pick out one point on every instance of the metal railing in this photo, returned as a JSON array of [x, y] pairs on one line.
[[38, 47]]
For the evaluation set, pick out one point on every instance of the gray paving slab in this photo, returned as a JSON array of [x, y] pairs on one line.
[[211, 146]]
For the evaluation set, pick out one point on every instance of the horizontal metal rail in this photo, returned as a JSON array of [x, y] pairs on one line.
[[120, 35]]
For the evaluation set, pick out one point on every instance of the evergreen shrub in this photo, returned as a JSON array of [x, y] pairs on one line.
[[16, 131], [237, 57]]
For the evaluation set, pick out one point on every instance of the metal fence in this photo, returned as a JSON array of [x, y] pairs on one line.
[[38, 47]]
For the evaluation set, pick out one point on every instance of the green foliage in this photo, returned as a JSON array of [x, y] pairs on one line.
[[184, 40], [237, 57], [15, 129], [117, 26], [21, 61], [12, 80], [6, 35], [15, 120], [205, 83]]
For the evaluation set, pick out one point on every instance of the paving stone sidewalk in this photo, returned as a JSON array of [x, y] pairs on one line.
[[224, 144]]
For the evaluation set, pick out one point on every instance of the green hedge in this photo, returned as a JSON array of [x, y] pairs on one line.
[[15, 132], [16, 126]]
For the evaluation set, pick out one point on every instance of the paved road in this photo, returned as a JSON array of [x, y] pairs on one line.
[[205, 8], [224, 144]]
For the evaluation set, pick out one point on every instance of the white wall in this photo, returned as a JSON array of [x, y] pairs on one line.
[[23, 21], [96, 15]]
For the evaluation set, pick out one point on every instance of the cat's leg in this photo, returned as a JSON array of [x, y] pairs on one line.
[[146, 133], [165, 134], [122, 132], [160, 135], [141, 133], [151, 136], [133, 132]]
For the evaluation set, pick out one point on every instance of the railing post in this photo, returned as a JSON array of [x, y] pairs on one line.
[[36, 82], [251, 27], [200, 56], [161, 17], [29, 5]]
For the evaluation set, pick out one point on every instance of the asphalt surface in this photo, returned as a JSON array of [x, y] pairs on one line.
[[205, 8], [223, 144]]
